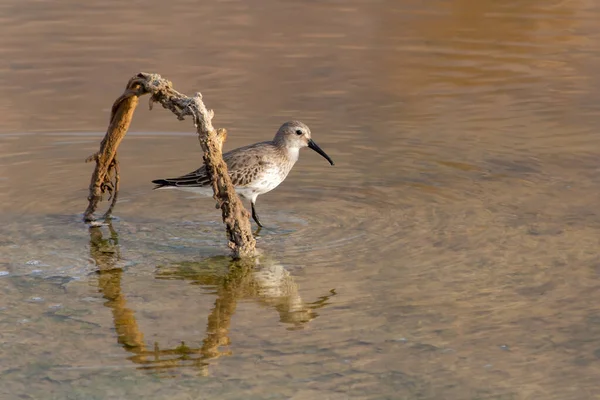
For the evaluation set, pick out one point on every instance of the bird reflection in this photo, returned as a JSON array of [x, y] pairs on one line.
[[262, 280]]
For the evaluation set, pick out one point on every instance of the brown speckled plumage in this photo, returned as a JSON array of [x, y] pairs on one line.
[[254, 169]]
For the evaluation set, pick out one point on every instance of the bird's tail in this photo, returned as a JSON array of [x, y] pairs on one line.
[[160, 183]]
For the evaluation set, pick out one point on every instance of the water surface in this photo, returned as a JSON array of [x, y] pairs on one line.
[[452, 252]]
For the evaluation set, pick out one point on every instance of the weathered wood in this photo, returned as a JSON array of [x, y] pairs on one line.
[[235, 216], [120, 119]]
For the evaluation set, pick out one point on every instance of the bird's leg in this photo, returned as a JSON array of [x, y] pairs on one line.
[[255, 216]]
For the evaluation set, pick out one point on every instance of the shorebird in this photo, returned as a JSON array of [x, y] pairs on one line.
[[254, 169]]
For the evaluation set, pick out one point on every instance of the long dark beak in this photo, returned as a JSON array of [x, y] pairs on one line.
[[316, 148]]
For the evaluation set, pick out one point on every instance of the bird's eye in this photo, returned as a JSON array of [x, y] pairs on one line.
[[298, 132]]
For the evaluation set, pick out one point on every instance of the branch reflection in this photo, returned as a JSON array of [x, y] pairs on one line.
[[262, 280]]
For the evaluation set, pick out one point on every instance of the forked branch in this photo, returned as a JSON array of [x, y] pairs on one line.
[[235, 216]]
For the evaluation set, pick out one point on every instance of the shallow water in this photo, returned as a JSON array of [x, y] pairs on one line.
[[452, 252]]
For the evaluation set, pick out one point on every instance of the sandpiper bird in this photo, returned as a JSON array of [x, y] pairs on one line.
[[254, 169]]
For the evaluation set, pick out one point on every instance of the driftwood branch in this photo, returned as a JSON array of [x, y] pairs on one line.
[[120, 119], [106, 175]]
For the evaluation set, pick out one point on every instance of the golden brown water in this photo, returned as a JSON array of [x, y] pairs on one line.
[[451, 253]]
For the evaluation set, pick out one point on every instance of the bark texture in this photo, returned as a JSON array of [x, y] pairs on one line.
[[105, 177]]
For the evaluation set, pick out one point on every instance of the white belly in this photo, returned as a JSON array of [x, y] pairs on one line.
[[203, 191], [267, 181]]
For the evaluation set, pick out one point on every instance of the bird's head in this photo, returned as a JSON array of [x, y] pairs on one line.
[[295, 135]]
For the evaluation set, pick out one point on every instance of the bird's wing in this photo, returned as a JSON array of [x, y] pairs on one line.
[[244, 165]]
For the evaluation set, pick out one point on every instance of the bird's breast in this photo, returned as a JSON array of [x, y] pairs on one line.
[[269, 179]]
